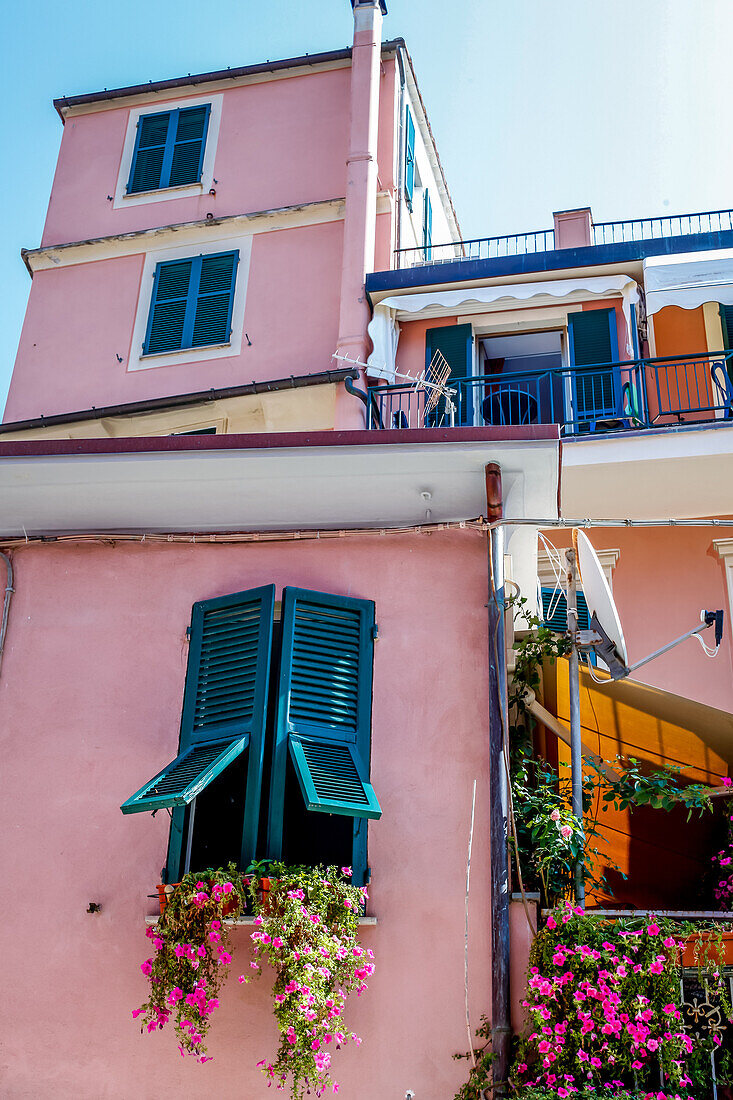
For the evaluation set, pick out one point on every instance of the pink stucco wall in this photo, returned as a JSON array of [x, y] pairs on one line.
[[67, 358], [281, 142], [90, 693], [661, 581]]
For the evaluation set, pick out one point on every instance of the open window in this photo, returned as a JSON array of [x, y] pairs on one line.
[[275, 742]]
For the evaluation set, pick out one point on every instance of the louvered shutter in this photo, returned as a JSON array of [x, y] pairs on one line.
[[456, 344], [187, 146], [427, 226], [593, 340], [409, 157], [167, 319], [224, 707], [213, 315], [726, 321], [555, 602], [149, 152], [324, 706]]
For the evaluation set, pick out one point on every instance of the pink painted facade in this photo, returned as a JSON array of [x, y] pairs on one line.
[[104, 630]]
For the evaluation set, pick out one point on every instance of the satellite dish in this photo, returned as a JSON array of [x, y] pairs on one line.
[[598, 594]]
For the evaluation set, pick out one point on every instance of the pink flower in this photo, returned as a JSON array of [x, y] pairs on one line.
[[653, 930], [566, 831], [348, 872], [147, 966], [726, 781], [551, 922], [348, 903], [228, 888], [555, 815]]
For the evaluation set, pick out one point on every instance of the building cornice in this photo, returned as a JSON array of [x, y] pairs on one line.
[[208, 228]]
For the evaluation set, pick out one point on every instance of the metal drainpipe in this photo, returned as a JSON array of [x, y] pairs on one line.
[[6, 602], [400, 154], [498, 731]]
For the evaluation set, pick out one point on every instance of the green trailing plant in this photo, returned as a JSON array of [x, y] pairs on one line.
[[482, 1058], [306, 929], [191, 957]]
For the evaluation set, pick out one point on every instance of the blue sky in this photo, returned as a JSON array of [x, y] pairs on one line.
[[536, 106]]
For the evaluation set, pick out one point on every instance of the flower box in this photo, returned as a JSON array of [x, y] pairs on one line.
[[695, 943]]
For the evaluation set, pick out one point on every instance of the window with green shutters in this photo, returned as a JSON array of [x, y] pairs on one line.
[[317, 745], [169, 149], [409, 157], [555, 611], [191, 304]]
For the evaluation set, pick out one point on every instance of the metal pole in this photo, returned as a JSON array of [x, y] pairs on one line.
[[498, 730], [576, 748], [189, 838]]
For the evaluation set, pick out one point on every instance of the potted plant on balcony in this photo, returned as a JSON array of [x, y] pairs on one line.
[[190, 956], [306, 930]]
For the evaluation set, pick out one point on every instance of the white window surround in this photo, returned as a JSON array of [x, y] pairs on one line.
[[607, 558], [121, 198], [724, 549], [138, 361]]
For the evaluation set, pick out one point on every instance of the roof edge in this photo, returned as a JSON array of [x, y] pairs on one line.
[[64, 102]]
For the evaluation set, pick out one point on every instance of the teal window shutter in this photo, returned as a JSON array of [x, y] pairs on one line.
[[455, 343], [726, 321], [554, 601], [169, 149], [593, 340], [427, 226], [224, 712], [192, 302], [324, 702], [409, 157]]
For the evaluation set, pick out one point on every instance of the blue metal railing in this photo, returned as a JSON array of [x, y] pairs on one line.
[[635, 394], [543, 240]]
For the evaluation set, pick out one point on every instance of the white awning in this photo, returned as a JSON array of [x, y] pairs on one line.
[[689, 279], [384, 330]]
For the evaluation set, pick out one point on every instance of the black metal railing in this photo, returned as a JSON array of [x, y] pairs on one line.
[[543, 240], [604, 397]]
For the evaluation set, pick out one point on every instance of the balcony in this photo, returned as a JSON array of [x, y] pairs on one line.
[[608, 397], [543, 240]]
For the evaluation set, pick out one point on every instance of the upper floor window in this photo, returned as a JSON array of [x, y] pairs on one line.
[[191, 305], [169, 149], [275, 740]]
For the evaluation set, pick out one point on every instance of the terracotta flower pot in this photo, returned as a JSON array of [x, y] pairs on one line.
[[164, 892], [691, 946]]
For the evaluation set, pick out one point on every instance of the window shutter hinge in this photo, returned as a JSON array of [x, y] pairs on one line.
[[188, 633], [375, 632]]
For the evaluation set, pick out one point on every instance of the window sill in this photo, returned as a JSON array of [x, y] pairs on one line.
[[364, 922], [166, 192], [182, 351]]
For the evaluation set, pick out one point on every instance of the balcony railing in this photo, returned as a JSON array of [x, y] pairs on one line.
[[630, 395], [543, 240]]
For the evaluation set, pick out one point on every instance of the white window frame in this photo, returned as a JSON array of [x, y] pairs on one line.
[[138, 361], [122, 199]]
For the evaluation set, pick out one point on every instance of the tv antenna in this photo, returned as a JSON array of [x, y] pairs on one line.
[[605, 638]]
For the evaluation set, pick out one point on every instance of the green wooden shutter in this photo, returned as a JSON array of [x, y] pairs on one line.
[[168, 306], [427, 226], [214, 300], [324, 707], [187, 146], [456, 344], [149, 152], [224, 710], [726, 323], [409, 158], [558, 621], [593, 340]]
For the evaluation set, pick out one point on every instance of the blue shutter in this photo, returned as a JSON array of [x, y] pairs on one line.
[[409, 157], [149, 152], [168, 306], [324, 707], [224, 711], [169, 149], [187, 147], [593, 339], [192, 303], [427, 226]]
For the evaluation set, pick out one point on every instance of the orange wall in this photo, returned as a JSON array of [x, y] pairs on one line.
[[679, 331]]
